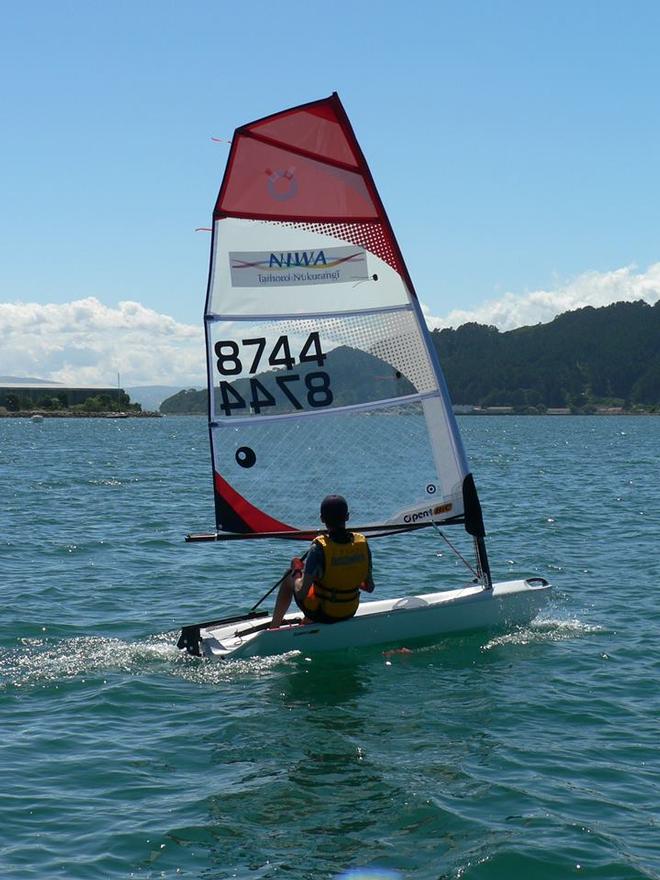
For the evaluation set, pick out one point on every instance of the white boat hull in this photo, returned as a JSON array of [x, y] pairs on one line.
[[385, 621]]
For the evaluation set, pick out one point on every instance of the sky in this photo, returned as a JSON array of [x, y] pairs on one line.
[[514, 145]]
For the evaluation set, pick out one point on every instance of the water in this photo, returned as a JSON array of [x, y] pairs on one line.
[[532, 753]]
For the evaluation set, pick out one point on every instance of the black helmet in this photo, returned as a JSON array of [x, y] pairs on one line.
[[334, 510]]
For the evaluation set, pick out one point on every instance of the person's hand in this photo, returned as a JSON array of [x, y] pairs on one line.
[[297, 566]]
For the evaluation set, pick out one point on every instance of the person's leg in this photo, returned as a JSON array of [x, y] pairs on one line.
[[284, 596]]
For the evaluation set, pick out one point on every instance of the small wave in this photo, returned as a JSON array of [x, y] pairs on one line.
[[216, 672], [546, 630], [44, 661], [40, 661], [369, 874]]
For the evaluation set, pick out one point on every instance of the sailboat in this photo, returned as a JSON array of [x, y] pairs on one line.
[[323, 379]]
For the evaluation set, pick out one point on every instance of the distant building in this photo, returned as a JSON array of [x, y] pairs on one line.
[[70, 395]]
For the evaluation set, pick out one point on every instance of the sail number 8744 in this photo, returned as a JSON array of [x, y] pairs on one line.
[[231, 357]]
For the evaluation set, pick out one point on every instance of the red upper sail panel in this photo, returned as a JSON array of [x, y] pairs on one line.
[[303, 164], [314, 128]]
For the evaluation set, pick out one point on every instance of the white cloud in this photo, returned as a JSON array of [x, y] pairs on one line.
[[86, 342], [590, 289]]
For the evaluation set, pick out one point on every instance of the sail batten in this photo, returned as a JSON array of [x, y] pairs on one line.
[[213, 318], [351, 408], [299, 151], [321, 370]]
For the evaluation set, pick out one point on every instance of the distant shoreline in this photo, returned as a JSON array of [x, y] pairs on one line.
[[551, 415], [63, 414], [480, 413]]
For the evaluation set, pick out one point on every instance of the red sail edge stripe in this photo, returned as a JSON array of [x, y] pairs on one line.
[[256, 520]]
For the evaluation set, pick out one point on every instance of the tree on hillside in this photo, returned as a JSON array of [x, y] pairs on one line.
[[597, 355]]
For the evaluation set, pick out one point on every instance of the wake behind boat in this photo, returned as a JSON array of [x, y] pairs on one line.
[[314, 334]]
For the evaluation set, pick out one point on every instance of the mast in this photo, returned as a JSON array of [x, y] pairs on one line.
[[482, 559]]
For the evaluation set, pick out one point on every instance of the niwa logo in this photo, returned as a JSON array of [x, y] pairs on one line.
[[283, 260], [297, 260]]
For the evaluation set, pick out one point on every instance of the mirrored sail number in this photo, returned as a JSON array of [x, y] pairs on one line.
[[230, 360], [316, 384]]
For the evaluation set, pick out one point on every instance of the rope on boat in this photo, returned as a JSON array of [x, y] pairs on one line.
[[276, 585], [456, 551]]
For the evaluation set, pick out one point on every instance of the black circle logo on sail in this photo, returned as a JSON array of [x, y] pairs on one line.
[[431, 489], [245, 457]]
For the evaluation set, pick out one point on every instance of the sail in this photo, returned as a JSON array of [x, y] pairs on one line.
[[322, 374]]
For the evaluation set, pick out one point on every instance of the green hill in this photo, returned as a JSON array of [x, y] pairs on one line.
[[606, 356], [188, 402], [584, 357]]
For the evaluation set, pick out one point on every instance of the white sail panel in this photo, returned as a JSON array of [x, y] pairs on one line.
[[381, 459], [368, 357], [293, 252], [294, 383]]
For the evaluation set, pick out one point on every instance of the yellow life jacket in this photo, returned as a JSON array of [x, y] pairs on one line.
[[346, 566]]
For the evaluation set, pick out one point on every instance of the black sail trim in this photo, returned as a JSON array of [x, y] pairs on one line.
[[474, 521]]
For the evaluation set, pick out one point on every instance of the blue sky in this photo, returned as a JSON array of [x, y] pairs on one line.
[[515, 146]]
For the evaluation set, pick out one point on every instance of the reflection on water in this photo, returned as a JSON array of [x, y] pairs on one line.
[[329, 749], [318, 682]]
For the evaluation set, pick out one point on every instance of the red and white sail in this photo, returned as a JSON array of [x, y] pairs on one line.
[[314, 335]]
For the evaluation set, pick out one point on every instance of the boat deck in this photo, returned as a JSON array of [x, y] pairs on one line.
[[384, 621]]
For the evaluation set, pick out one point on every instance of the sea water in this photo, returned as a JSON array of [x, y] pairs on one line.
[[531, 753]]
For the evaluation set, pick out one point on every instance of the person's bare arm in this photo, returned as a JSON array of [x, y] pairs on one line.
[[368, 583]]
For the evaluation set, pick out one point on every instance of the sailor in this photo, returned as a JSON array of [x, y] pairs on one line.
[[337, 567]]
